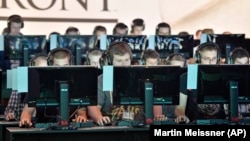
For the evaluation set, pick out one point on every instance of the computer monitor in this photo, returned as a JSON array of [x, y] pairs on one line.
[[226, 42], [23, 47], [167, 44], [247, 44], [77, 44], [62, 86], [146, 85], [213, 83], [136, 42], [224, 84], [129, 84]]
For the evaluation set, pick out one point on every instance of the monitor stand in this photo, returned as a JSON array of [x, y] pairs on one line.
[[25, 55]]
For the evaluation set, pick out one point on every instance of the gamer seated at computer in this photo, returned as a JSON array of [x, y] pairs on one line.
[[151, 58], [207, 53], [57, 57], [105, 113]]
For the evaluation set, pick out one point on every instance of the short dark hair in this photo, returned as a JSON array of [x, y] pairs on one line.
[[99, 28], [162, 25], [137, 22], [120, 48], [121, 26], [238, 52], [71, 29], [150, 53]]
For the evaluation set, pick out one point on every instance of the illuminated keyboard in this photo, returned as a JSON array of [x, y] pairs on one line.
[[72, 126], [211, 121], [164, 122]]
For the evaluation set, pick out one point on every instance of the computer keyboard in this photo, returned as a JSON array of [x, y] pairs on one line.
[[72, 125], [212, 121], [164, 122]]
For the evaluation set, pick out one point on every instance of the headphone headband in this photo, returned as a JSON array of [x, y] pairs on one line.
[[52, 52], [204, 45]]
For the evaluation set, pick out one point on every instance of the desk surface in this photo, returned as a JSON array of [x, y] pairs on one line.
[[3, 125], [110, 133]]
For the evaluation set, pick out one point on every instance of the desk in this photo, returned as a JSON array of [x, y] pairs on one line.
[[3, 125], [86, 134]]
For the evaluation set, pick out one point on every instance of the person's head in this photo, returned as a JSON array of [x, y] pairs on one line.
[[14, 24], [99, 30], [239, 56], [93, 57], [208, 53], [227, 32], [176, 59], [198, 34], [163, 29], [39, 59], [150, 57], [183, 33], [118, 54], [137, 26], [207, 31], [120, 29], [72, 31], [60, 57]]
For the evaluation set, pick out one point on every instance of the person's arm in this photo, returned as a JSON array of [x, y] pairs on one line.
[[94, 112], [96, 115], [26, 115], [12, 107], [181, 108], [158, 114]]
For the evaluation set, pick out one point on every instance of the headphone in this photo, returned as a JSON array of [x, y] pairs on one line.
[[235, 51], [162, 25], [52, 52], [121, 26], [71, 28], [170, 58], [106, 58], [32, 60], [207, 44], [15, 18], [89, 51], [137, 22]]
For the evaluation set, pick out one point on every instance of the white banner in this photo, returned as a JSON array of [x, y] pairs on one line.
[[45, 16]]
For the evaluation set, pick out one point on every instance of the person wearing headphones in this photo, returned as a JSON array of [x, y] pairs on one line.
[[60, 57], [150, 57], [137, 27], [176, 59], [163, 29], [120, 29], [14, 25], [72, 31], [239, 55], [93, 57], [15, 104], [209, 54], [119, 54], [57, 57]]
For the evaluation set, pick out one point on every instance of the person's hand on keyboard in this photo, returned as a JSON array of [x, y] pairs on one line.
[[25, 122], [104, 120], [182, 119], [80, 119], [160, 117]]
